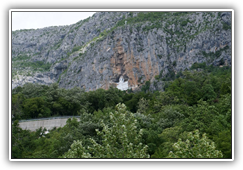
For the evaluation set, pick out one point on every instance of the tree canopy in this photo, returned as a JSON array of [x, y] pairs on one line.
[[189, 118]]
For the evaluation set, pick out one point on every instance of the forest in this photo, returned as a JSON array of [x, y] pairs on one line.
[[189, 118]]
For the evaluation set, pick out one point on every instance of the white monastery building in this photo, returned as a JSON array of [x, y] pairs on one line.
[[122, 85]]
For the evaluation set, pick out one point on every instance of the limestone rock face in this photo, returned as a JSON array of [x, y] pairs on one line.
[[46, 78], [101, 51]]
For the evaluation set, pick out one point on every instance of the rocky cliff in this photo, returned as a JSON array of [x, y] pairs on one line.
[[95, 52]]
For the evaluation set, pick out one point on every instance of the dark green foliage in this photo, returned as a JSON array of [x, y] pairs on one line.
[[17, 90], [152, 139], [131, 100], [191, 92], [17, 104], [160, 56], [200, 117], [183, 23], [21, 57], [160, 73], [156, 77], [226, 26], [145, 88], [155, 19], [168, 137], [226, 86], [174, 63], [221, 62], [36, 66], [198, 65], [104, 33], [170, 115], [30, 90], [208, 92], [170, 74], [195, 100], [100, 98], [223, 141], [75, 58], [165, 98], [35, 107], [215, 54], [75, 49], [21, 141], [179, 74], [150, 16]]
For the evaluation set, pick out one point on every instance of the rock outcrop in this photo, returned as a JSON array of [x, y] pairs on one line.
[[97, 52]]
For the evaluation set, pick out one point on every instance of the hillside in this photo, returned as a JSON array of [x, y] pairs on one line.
[[136, 46], [190, 119]]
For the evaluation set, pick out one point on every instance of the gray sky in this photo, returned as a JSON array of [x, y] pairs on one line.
[[33, 20]]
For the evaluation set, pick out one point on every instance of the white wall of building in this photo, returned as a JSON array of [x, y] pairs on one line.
[[122, 85]]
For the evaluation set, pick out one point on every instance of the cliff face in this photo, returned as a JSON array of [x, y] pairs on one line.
[[43, 51], [96, 52]]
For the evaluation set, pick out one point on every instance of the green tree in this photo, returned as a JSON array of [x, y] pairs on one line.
[[77, 150], [224, 106], [215, 82], [17, 90], [22, 141], [57, 108], [131, 100], [195, 147], [168, 137], [30, 90], [66, 102], [16, 143], [226, 86], [53, 92], [200, 117], [145, 88], [164, 98], [208, 92], [174, 63], [151, 138], [36, 107], [113, 96], [191, 92], [143, 105], [17, 102], [223, 141], [168, 117], [121, 139]]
